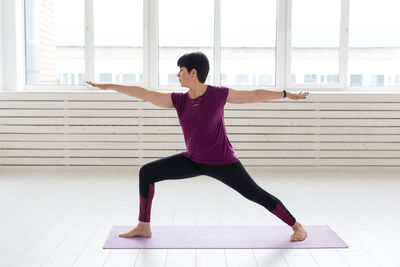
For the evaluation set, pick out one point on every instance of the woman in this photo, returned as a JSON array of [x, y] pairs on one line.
[[209, 152]]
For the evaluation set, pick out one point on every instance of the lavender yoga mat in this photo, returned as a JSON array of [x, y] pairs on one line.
[[180, 237]]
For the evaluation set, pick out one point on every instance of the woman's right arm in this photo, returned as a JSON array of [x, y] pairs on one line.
[[159, 99]]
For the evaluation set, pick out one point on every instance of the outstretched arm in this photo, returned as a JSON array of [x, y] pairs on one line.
[[260, 95], [159, 99]]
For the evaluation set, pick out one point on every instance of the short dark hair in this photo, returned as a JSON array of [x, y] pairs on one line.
[[198, 61]]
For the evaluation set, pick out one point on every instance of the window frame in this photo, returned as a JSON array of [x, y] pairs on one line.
[[343, 51], [14, 51]]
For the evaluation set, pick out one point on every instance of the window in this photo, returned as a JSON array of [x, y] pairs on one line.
[[248, 40], [70, 41], [374, 39], [129, 78], [315, 38], [378, 80], [81, 78], [62, 78], [356, 80], [224, 79], [173, 79], [333, 78], [310, 78], [242, 79], [54, 41], [397, 82], [106, 77], [118, 38], [184, 26], [265, 79]]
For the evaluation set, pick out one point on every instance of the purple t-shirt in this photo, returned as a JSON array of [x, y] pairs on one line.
[[203, 126]]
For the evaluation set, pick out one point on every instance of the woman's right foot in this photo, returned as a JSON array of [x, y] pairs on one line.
[[140, 230], [299, 233]]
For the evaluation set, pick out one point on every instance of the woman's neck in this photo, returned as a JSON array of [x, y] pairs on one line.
[[197, 90]]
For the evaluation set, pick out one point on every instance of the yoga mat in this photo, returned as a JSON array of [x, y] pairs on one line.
[[246, 237]]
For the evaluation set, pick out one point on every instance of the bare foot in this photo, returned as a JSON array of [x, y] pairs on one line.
[[299, 233], [142, 229]]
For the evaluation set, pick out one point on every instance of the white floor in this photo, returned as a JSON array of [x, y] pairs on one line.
[[55, 216]]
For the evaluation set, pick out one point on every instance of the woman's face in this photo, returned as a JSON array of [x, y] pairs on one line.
[[183, 76]]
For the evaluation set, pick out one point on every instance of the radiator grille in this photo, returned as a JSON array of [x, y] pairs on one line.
[[106, 128]]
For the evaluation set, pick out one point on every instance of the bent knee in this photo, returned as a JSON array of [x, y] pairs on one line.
[[145, 174]]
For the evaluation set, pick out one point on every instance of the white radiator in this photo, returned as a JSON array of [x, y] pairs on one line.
[[106, 128]]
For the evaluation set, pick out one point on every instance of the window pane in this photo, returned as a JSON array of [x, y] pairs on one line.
[[310, 78], [333, 78], [356, 80], [374, 42], [184, 27], [248, 43], [118, 39], [315, 40], [54, 33]]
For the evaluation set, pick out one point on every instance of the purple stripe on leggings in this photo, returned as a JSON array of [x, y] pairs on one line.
[[284, 215], [145, 205]]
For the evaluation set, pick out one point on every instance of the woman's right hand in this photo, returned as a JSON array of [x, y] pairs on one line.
[[102, 86]]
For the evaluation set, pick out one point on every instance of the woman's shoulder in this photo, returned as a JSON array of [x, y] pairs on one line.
[[219, 93], [178, 95], [219, 89]]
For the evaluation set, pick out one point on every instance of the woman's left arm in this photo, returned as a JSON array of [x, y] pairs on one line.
[[260, 95]]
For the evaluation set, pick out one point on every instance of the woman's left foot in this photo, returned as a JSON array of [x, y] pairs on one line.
[[299, 233]]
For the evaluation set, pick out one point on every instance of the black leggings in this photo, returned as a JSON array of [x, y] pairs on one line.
[[233, 175]]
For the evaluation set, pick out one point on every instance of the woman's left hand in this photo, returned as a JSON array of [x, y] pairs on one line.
[[298, 96]]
